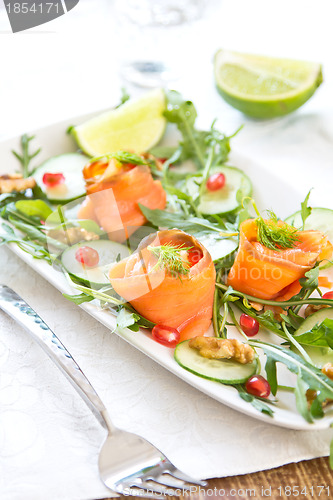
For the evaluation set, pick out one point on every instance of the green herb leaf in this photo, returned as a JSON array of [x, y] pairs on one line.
[[196, 144], [126, 319], [267, 320], [311, 280], [320, 335], [38, 193], [31, 232], [187, 223], [124, 97], [184, 114], [228, 295], [89, 225], [219, 142], [294, 301], [301, 401], [309, 376], [270, 368], [210, 234], [123, 157], [142, 321], [53, 222], [10, 210], [316, 409], [34, 208], [305, 209], [257, 403], [181, 196], [30, 247], [274, 236], [170, 258], [107, 296], [126, 157], [25, 157], [78, 299], [293, 319], [6, 198], [163, 151], [245, 212]]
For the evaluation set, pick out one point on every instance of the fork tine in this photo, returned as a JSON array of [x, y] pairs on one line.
[[137, 490], [168, 480], [181, 475], [151, 486]]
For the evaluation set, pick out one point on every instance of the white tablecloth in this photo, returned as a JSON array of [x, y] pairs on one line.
[[49, 441]]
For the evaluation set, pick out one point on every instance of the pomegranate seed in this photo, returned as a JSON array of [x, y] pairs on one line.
[[87, 256], [258, 386], [166, 335], [194, 255], [250, 326], [51, 180], [215, 182], [328, 295]]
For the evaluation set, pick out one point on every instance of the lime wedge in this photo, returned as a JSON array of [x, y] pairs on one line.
[[137, 125], [265, 87]]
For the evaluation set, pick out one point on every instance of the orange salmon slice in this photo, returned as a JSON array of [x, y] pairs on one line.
[[274, 274]]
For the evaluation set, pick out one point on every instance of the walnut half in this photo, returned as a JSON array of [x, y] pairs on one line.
[[311, 308], [312, 394], [15, 182], [72, 235], [328, 370], [215, 348]]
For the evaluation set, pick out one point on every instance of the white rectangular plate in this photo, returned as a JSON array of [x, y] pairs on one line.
[[269, 192]]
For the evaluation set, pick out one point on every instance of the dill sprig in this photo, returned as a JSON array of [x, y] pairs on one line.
[[170, 258], [275, 236], [25, 158]]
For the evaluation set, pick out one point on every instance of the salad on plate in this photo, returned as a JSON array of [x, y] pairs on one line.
[[170, 240]]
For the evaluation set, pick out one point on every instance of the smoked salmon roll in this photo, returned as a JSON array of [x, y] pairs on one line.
[[274, 274], [114, 191], [170, 280]]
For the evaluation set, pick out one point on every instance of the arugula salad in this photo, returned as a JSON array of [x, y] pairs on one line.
[[183, 217]]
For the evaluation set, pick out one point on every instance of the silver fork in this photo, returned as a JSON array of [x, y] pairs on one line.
[[128, 464]]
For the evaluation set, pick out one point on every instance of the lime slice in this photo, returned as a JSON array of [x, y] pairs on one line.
[[265, 87], [137, 125]]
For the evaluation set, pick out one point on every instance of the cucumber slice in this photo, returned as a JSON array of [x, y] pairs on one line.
[[222, 201], [320, 219], [218, 248], [315, 319], [70, 165], [319, 355], [220, 370], [93, 276]]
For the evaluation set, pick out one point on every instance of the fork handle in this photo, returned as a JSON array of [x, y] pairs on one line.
[[27, 318]]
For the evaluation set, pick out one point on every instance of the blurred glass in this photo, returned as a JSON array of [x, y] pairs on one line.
[[161, 12], [147, 33]]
